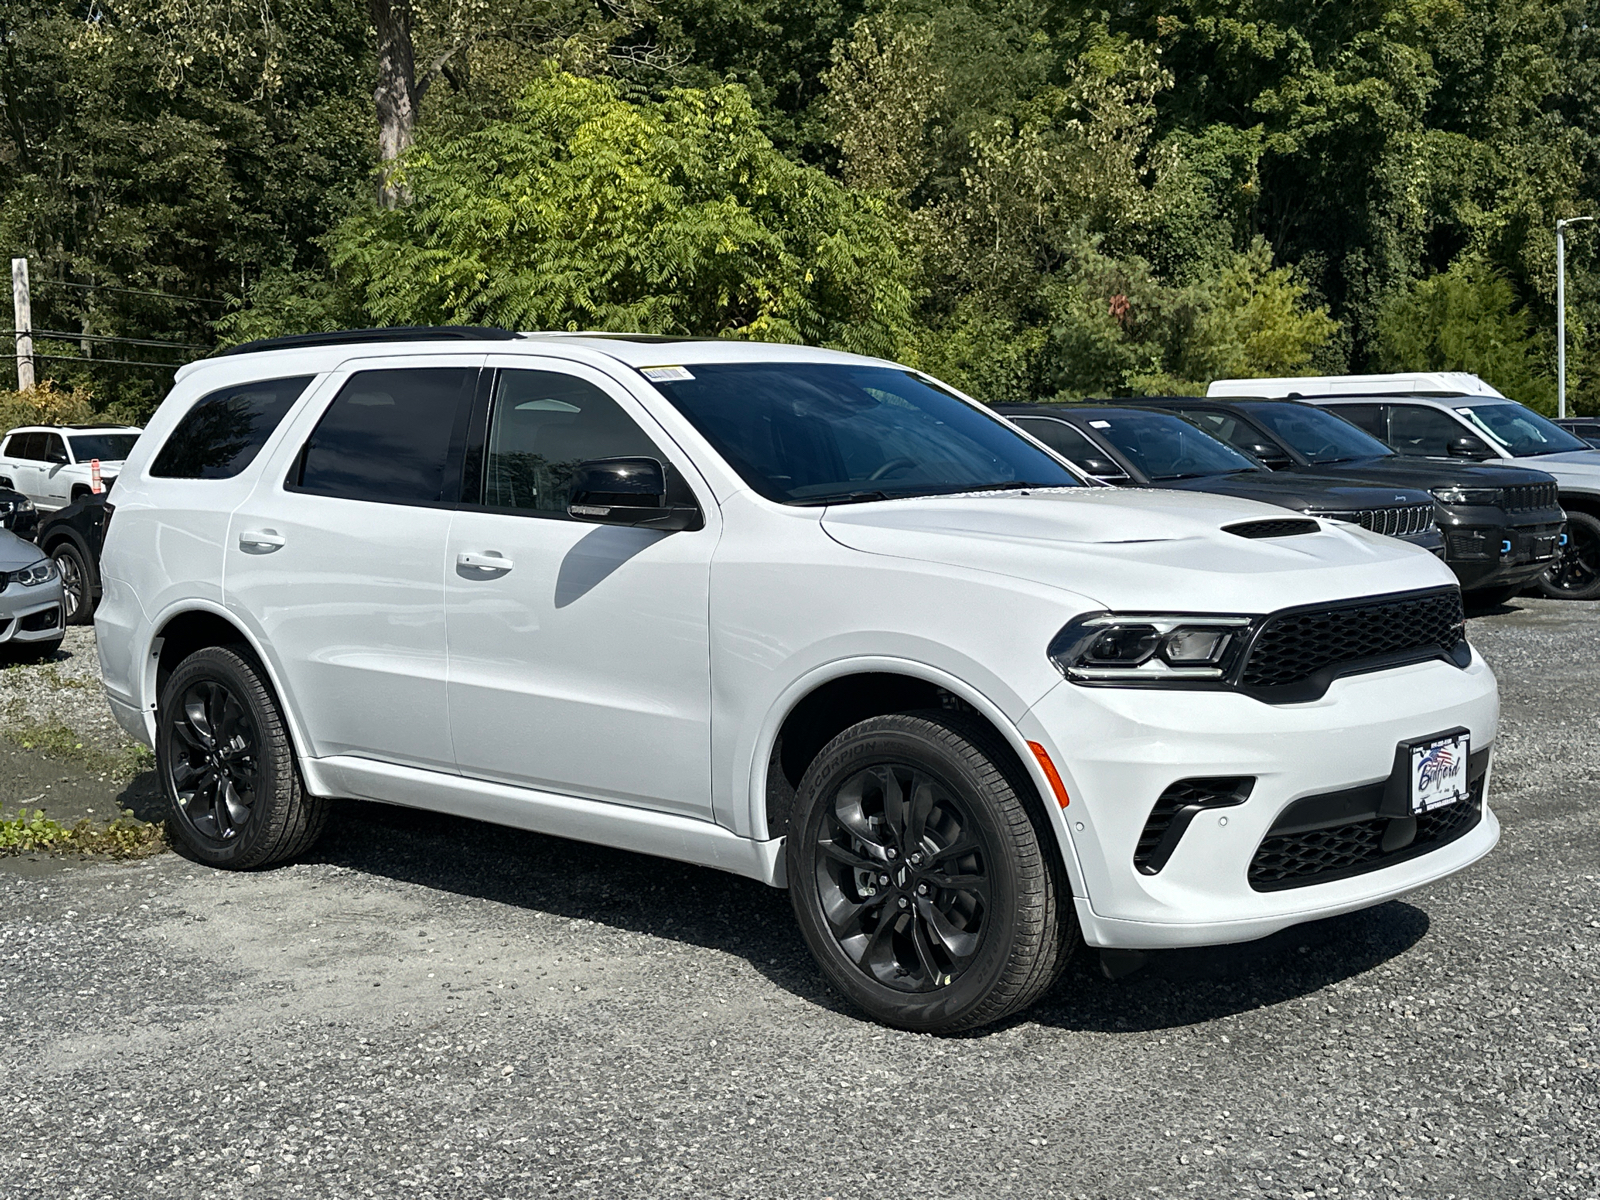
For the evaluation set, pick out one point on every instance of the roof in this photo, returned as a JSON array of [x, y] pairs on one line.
[[1416, 383], [325, 351], [107, 427]]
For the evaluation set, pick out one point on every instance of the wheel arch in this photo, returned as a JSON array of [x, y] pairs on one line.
[[182, 632], [826, 701], [1583, 502]]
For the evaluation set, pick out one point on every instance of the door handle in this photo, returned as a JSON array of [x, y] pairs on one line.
[[261, 541], [484, 562]]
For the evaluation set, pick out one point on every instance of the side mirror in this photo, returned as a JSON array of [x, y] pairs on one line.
[[628, 491], [1467, 446], [1270, 456], [57, 458], [1102, 469]]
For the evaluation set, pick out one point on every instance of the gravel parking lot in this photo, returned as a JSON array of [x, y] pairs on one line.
[[431, 1007]]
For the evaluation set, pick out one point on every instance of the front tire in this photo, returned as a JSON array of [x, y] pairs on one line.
[[77, 585], [227, 767], [1576, 574], [923, 885]]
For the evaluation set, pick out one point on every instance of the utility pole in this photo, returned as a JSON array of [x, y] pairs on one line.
[[1561, 312], [22, 305]]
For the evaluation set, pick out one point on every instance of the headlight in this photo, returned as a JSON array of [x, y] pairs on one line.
[[1148, 647], [20, 504], [1461, 495], [34, 574]]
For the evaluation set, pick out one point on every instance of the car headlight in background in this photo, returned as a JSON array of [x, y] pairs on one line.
[[20, 504], [32, 575], [1148, 647], [1464, 495]]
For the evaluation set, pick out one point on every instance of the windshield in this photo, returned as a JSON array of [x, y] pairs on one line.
[[815, 433], [109, 447], [1318, 435], [1521, 430], [1166, 447]]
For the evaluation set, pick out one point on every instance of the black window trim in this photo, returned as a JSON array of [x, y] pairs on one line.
[[458, 429], [1135, 476], [1246, 418], [477, 440]]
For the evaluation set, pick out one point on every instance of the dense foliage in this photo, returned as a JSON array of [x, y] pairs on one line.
[[1033, 199]]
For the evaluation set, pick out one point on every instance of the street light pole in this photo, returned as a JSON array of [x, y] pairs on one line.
[[1561, 312]]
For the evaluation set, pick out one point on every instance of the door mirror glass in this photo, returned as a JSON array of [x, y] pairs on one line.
[[1467, 446], [627, 491], [1103, 469]]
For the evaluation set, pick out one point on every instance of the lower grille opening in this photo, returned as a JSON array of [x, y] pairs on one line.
[[1176, 807], [1310, 856], [50, 618]]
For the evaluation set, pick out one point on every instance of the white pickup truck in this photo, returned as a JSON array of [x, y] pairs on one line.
[[53, 465]]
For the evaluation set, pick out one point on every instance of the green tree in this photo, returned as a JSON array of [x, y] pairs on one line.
[[586, 211], [1466, 319]]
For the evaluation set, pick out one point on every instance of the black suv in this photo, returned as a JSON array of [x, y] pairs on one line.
[[73, 536], [1149, 448], [1502, 525]]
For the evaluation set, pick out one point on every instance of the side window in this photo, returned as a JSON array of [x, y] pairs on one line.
[[20, 445], [542, 425], [1223, 427], [1062, 438], [32, 447], [390, 436], [1421, 432], [52, 449], [1366, 417], [225, 430]]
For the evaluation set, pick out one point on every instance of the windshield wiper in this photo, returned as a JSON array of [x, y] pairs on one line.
[[841, 498]]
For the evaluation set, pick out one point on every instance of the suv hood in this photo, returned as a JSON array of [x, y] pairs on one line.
[[1304, 491], [1426, 472], [1138, 549], [1578, 467]]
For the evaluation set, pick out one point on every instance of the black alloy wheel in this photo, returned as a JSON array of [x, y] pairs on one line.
[[1576, 574], [212, 762], [924, 875], [226, 764], [75, 587], [902, 877]]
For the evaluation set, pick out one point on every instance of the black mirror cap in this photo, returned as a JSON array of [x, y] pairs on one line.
[[628, 491], [1467, 446]]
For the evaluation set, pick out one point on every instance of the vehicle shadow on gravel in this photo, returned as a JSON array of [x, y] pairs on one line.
[[710, 909]]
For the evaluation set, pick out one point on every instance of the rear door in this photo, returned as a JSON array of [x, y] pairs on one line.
[[336, 558], [55, 473], [579, 653]]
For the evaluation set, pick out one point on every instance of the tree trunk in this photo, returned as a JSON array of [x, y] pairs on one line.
[[396, 95]]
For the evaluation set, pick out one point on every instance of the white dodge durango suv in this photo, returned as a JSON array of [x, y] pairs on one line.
[[803, 616]]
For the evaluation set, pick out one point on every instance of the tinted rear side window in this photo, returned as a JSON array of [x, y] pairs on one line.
[[225, 430], [390, 436]]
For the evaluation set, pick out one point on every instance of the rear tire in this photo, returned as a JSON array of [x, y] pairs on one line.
[[225, 762], [1576, 574], [77, 584], [923, 883]]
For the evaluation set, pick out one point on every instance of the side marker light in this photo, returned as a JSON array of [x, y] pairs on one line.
[[1050, 773]]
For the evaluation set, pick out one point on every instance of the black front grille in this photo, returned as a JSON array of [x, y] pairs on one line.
[[1294, 646], [1271, 529], [1322, 855], [1400, 521], [1176, 807], [1524, 496]]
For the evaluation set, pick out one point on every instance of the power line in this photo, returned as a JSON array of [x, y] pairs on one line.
[[63, 335], [109, 362], [106, 287]]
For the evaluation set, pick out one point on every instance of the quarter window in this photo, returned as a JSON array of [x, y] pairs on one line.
[[225, 430], [27, 446], [390, 436], [543, 424]]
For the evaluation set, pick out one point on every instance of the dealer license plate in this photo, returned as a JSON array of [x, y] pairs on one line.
[[1439, 773]]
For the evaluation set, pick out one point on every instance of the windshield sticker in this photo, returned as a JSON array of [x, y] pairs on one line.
[[1101, 424], [665, 374]]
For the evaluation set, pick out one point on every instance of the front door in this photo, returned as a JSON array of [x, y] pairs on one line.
[[336, 559], [55, 478], [579, 656]]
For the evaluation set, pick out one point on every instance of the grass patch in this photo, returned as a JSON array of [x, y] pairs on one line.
[[58, 741], [126, 837]]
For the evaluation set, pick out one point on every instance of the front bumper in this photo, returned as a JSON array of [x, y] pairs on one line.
[[1492, 548], [1119, 750], [31, 614]]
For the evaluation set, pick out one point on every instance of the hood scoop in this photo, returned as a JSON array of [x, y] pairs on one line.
[[1282, 527]]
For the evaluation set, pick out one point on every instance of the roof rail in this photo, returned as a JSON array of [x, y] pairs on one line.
[[391, 333]]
